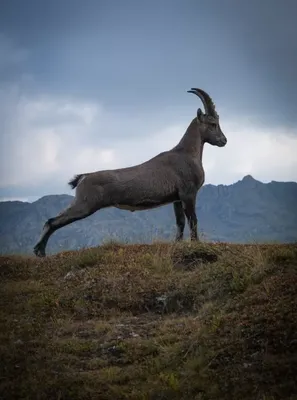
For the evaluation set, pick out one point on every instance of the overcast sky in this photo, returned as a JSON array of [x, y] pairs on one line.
[[88, 85]]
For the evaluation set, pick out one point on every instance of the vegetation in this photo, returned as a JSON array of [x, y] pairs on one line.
[[160, 321]]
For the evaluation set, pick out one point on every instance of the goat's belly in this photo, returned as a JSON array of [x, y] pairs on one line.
[[140, 207], [148, 204]]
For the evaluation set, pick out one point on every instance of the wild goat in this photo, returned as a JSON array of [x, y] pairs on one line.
[[173, 176]]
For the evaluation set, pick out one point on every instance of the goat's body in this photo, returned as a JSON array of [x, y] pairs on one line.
[[173, 176], [134, 188]]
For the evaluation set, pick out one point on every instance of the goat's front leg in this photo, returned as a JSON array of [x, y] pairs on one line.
[[180, 220], [190, 211]]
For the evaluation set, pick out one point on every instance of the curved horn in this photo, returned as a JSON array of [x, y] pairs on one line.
[[206, 100]]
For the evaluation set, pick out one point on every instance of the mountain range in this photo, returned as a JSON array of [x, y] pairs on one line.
[[246, 211]]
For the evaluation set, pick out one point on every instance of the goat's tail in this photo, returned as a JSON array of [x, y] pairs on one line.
[[74, 181]]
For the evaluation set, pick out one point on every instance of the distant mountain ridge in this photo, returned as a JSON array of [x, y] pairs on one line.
[[245, 211]]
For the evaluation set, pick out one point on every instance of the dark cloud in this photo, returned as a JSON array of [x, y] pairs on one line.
[[266, 32], [136, 55]]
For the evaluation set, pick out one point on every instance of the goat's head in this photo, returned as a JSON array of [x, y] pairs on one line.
[[209, 125]]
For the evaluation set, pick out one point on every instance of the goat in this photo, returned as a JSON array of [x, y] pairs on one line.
[[173, 176]]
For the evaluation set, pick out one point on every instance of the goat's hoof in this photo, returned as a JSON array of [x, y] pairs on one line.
[[39, 251]]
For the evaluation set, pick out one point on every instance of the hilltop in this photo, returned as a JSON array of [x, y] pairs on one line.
[[161, 321], [246, 211]]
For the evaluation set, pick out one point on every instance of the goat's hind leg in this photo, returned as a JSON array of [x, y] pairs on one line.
[[76, 211], [189, 208]]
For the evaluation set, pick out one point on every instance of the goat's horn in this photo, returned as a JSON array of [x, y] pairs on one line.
[[206, 100]]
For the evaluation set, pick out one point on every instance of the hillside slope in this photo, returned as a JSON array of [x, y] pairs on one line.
[[160, 321], [247, 211]]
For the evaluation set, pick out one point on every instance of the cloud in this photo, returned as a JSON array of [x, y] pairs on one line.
[[45, 140], [261, 151], [11, 54]]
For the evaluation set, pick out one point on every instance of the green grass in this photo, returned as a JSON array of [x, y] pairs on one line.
[[161, 321]]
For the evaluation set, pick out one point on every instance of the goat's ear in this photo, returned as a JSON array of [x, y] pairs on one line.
[[199, 114]]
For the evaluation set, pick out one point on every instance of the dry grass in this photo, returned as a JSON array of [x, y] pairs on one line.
[[161, 321]]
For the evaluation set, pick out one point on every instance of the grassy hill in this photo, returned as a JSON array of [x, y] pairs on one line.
[[161, 321]]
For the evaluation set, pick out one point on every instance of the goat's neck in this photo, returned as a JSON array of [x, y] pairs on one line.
[[192, 142]]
